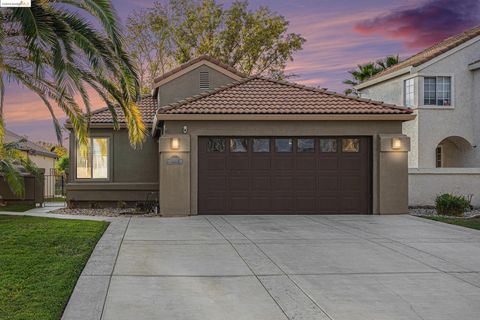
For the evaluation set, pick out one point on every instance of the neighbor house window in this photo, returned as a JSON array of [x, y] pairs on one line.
[[409, 92], [92, 163], [437, 91], [439, 157]]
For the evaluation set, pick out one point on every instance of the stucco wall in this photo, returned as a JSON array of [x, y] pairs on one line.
[[426, 184], [133, 173], [48, 164], [188, 85], [394, 195]]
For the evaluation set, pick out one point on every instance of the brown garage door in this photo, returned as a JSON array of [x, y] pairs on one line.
[[273, 175]]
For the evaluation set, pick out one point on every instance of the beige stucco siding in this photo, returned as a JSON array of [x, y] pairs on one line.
[[190, 85], [389, 172]]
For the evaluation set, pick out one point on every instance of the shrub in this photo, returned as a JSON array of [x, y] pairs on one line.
[[121, 205], [451, 205]]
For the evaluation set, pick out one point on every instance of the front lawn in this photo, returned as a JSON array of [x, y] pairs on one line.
[[17, 207], [473, 223], [40, 262]]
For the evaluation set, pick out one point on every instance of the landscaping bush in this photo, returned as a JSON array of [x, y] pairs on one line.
[[451, 205]]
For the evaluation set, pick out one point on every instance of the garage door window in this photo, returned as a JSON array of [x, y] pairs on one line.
[[238, 145], [216, 145], [283, 145], [261, 145], [328, 145], [350, 145], [306, 145]]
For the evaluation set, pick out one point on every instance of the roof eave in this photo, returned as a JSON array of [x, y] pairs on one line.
[[286, 117], [383, 78], [474, 66], [105, 125]]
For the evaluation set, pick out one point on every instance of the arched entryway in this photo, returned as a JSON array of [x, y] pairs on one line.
[[454, 152]]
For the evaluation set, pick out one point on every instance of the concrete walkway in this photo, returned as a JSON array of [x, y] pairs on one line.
[[281, 267]]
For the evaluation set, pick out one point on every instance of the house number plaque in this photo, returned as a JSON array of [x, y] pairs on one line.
[[175, 160]]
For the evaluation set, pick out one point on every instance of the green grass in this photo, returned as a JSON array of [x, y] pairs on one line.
[[17, 207], [40, 262], [473, 223]]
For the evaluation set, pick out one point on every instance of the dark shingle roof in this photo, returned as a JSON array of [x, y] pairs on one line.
[[147, 107], [258, 95], [26, 145], [432, 52]]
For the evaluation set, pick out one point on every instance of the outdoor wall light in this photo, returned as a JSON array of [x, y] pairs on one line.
[[396, 143], [175, 143]]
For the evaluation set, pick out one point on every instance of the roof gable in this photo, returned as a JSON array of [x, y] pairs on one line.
[[193, 64], [258, 95], [431, 52]]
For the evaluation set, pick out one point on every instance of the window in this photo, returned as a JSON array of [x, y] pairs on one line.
[[306, 145], [283, 145], [93, 164], [261, 145], [216, 145], [328, 145], [238, 145], [409, 92], [350, 145], [437, 91], [204, 81], [439, 157]]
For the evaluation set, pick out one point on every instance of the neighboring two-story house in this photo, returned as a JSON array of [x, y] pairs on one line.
[[442, 85]]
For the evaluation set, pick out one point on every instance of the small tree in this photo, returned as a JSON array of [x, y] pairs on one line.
[[62, 164]]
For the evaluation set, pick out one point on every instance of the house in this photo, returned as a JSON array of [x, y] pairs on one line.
[[41, 157], [442, 86], [221, 142]]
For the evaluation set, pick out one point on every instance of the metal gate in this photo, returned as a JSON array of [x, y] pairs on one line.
[[54, 185]]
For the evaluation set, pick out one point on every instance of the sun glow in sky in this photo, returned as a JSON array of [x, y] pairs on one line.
[[339, 33]]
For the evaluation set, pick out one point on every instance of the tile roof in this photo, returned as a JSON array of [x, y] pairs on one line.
[[147, 107], [432, 52], [26, 145], [258, 95], [193, 61]]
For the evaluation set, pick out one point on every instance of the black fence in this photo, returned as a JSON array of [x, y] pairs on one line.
[[54, 185]]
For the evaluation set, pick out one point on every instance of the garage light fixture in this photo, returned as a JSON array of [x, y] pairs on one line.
[[175, 143], [396, 143]]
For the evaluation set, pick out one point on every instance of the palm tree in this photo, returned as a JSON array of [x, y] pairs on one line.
[[54, 50], [365, 71]]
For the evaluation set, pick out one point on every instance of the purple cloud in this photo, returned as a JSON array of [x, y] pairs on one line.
[[426, 24]]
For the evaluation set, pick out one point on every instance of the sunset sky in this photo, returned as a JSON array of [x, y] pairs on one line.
[[339, 33]]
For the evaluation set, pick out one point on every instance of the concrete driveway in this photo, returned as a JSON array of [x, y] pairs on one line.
[[281, 267]]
